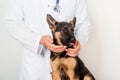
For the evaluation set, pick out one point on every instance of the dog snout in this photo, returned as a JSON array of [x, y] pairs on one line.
[[72, 40]]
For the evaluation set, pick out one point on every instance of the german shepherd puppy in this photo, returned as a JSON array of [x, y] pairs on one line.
[[65, 67]]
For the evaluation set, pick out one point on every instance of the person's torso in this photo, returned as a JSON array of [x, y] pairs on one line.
[[35, 12]]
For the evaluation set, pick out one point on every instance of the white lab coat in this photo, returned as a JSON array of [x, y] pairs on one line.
[[26, 22]]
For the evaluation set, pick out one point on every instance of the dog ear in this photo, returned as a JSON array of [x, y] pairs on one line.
[[73, 22], [51, 21]]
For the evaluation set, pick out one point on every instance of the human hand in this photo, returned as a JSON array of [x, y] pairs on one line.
[[75, 50], [48, 42]]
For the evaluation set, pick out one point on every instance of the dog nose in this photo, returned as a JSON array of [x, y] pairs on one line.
[[72, 40]]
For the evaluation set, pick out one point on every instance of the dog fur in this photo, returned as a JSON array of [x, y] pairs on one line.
[[65, 67]]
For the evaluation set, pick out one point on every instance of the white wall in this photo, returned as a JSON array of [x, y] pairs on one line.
[[103, 48], [10, 50], [101, 54]]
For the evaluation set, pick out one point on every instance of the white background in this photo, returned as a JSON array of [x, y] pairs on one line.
[[101, 54]]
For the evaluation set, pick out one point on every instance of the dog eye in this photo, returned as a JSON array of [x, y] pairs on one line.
[[72, 29], [65, 30], [56, 23]]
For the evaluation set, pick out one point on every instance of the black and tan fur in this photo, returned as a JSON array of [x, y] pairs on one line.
[[65, 67]]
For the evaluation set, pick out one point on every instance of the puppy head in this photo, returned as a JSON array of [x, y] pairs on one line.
[[63, 32]]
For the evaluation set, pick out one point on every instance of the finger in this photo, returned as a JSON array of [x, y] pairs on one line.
[[49, 39], [61, 49], [57, 48], [54, 47], [72, 54], [48, 44], [71, 50], [76, 44], [74, 50]]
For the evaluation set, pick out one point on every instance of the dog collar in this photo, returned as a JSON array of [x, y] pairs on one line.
[[56, 8]]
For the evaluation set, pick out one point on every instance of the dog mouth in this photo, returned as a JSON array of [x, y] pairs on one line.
[[70, 45]]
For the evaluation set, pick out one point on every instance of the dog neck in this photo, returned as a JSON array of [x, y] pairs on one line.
[[55, 55]]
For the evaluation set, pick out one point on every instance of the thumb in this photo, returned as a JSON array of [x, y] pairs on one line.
[[49, 39]]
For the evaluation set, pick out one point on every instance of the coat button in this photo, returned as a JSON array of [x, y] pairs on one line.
[[48, 5]]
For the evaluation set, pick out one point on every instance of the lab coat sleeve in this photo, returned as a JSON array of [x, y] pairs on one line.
[[17, 28], [83, 25]]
